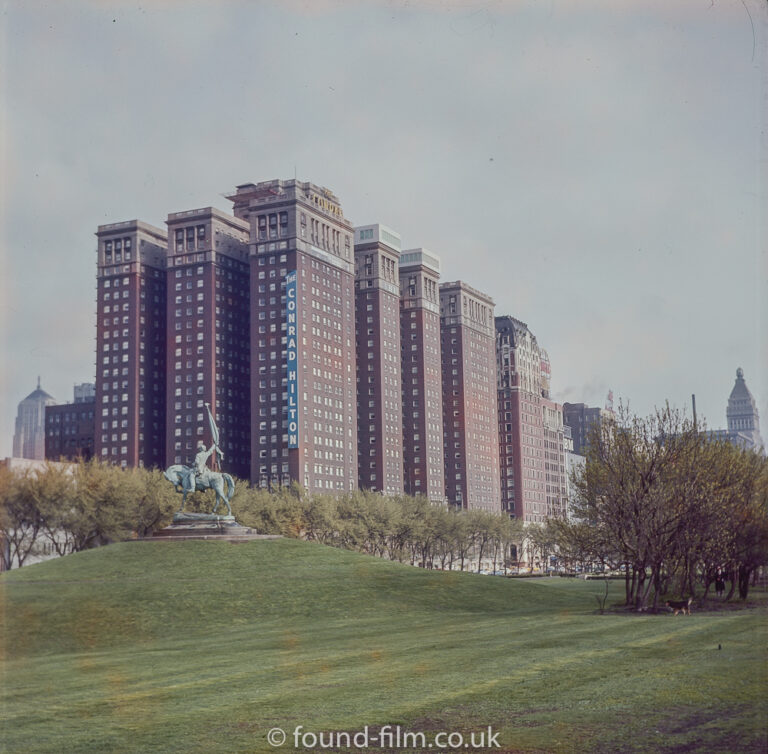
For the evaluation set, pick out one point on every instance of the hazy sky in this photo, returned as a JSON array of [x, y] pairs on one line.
[[598, 167]]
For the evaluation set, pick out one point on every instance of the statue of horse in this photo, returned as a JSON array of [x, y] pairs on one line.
[[211, 480]]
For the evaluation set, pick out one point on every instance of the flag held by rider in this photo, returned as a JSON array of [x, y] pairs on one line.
[[218, 455]]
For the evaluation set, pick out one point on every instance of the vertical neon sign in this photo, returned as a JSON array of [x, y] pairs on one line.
[[291, 358]]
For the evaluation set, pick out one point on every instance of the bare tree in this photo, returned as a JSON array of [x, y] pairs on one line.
[[670, 504]]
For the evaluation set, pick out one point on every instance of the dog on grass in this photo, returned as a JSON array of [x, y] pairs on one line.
[[683, 606]]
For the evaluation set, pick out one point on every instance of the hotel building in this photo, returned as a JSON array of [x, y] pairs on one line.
[[130, 344], [521, 424], [379, 400], [302, 332], [470, 420], [423, 463], [531, 429], [208, 336]]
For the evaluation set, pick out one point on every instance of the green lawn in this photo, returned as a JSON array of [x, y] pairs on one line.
[[204, 647]]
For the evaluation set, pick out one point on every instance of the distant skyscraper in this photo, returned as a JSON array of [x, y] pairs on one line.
[[131, 344], [29, 435], [470, 420], [743, 416], [208, 330], [69, 427], [379, 399], [303, 364], [423, 461]]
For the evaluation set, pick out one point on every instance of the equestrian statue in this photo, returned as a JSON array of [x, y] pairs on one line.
[[188, 479]]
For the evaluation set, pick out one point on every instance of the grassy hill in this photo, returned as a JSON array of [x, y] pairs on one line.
[[202, 646]]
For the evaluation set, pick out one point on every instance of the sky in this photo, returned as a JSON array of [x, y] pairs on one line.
[[598, 167]]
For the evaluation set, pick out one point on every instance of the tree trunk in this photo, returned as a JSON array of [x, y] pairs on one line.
[[744, 573], [627, 587], [691, 583], [662, 587], [656, 577], [732, 578], [640, 581], [480, 556], [645, 592], [5, 550]]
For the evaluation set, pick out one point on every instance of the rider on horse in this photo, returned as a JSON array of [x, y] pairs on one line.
[[200, 468], [187, 479]]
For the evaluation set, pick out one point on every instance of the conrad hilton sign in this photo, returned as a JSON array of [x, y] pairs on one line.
[[291, 355]]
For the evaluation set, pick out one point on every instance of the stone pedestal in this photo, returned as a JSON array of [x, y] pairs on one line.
[[208, 526]]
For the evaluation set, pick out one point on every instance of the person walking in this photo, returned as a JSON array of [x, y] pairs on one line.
[[719, 584]]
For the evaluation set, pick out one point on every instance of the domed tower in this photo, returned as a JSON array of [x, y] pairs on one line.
[[742, 414], [29, 437]]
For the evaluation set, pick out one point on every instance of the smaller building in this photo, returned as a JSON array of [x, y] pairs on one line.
[[70, 427], [554, 458], [574, 466], [580, 418]]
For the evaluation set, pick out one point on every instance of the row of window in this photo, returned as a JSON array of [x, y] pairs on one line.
[[195, 237], [117, 250]]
